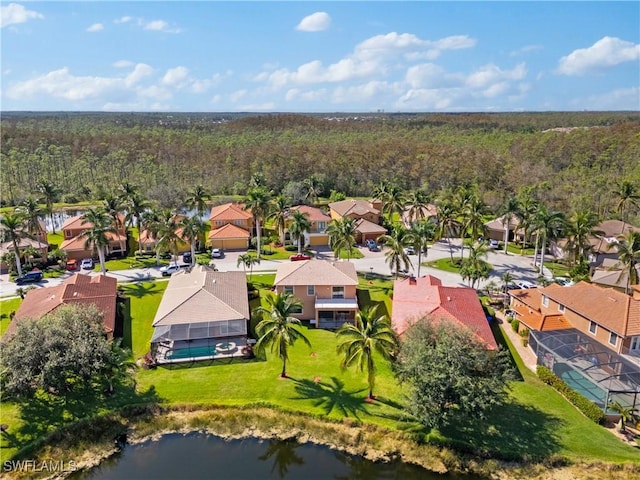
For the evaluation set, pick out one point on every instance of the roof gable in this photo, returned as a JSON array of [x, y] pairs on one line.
[[313, 214], [229, 231], [316, 272], [229, 212], [353, 206]]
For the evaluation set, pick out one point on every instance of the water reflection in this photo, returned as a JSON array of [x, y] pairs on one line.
[[199, 456]]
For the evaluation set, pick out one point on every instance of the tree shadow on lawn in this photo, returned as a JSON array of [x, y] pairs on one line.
[[140, 289], [332, 395], [365, 300], [45, 412], [511, 432]]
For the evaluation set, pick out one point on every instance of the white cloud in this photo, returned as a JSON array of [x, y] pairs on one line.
[[15, 13], [620, 99], [125, 19], [491, 74], [140, 71], [176, 77], [605, 53], [429, 75], [316, 22], [258, 107], [96, 27], [237, 95], [123, 64], [158, 26], [296, 94], [524, 50]]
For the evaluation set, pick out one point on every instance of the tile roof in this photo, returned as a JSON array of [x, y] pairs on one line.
[[229, 212], [531, 296], [78, 242], [316, 272], [353, 206], [203, 295], [534, 320], [607, 307], [365, 226], [99, 290], [497, 224], [415, 298], [428, 211], [23, 242], [613, 228], [77, 223], [314, 214], [229, 231]]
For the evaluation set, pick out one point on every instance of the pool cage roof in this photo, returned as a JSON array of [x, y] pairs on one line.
[[606, 370]]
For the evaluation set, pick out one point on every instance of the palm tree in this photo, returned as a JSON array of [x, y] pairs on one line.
[[151, 222], [300, 224], [279, 210], [278, 327], [580, 228], [417, 202], [13, 229], [422, 232], [509, 210], [192, 229], [314, 187], [474, 267], [357, 343], [113, 206], [50, 195], [447, 223], [628, 195], [626, 414], [257, 201], [628, 247], [528, 210], [30, 209], [168, 226], [197, 199], [381, 192], [396, 256], [98, 226], [507, 279], [136, 206], [342, 235], [547, 225], [247, 260], [473, 213]]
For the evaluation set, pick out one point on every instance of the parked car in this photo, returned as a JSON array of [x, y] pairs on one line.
[[299, 256], [410, 250], [217, 253], [525, 284], [564, 281], [170, 269], [369, 242], [493, 243], [374, 247], [86, 264], [29, 277], [72, 264], [186, 257]]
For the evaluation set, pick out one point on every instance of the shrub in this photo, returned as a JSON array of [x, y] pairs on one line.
[[586, 406], [515, 324], [291, 248], [524, 333], [525, 341]]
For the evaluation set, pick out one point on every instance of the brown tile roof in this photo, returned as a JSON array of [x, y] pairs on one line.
[[316, 272], [534, 320], [605, 306], [229, 231], [497, 224], [428, 211], [99, 290], [314, 214], [76, 223], [78, 243], [203, 295], [531, 296], [613, 228], [365, 226], [353, 206], [23, 243], [415, 298], [229, 212]]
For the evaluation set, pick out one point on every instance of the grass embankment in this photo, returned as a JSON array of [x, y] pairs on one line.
[[535, 424], [6, 307]]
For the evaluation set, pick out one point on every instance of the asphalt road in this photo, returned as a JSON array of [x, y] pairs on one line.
[[521, 267]]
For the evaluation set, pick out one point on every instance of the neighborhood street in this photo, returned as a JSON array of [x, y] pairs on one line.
[[521, 267]]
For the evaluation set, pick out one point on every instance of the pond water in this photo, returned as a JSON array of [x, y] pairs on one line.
[[200, 456]]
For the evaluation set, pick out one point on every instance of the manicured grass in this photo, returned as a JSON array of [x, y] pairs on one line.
[[517, 249], [557, 269], [350, 254], [6, 307], [444, 264]]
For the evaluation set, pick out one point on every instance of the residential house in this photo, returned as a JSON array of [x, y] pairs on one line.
[[78, 289], [231, 227], [426, 299], [317, 234], [611, 274], [602, 314], [355, 209], [203, 314], [148, 241], [495, 229], [326, 289], [74, 243], [429, 212], [41, 249]]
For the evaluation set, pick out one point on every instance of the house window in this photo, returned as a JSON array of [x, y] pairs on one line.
[[67, 234], [593, 327], [337, 292], [545, 301], [613, 339], [288, 289], [561, 308], [322, 226], [311, 290]]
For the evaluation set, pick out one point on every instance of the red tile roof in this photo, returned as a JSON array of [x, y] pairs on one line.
[[229, 231], [415, 298], [314, 214], [229, 212]]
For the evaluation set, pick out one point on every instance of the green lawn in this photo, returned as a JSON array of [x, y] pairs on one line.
[[444, 264], [6, 307], [517, 249], [557, 269]]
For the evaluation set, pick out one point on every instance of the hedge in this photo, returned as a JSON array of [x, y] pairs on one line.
[[586, 406]]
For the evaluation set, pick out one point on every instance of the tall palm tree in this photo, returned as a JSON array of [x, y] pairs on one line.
[[628, 195], [580, 228], [396, 255], [151, 222], [473, 212], [474, 267], [168, 226], [314, 187], [528, 209], [447, 223], [628, 247], [547, 225], [342, 235], [300, 224], [49, 194], [13, 229], [197, 199], [509, 211], [417, 202], [247, 261], [30, 209], [393, 202], [114, 206], [98, 226], [136, 206], [192, 229], [279, 208], [257, 201], [422, 232], [278, 327], [381, 192], [357, 343]]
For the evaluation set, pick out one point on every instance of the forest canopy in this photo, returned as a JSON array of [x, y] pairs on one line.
[[577, 157]]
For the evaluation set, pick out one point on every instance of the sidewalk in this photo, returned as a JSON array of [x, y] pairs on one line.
[[527, 355]]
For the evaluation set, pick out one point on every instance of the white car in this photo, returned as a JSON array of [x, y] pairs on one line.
[[216, 253], [410, 250], [86, 264], [563, 281], [493, 243], [170, 269], [524, 284]]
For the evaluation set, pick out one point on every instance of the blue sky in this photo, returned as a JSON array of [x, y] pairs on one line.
[[320, 56]]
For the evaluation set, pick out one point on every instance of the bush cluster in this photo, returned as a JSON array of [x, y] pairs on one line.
[[586, 406], [515, 323]]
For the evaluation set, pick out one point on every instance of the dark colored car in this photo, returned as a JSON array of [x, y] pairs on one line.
[[29, 277], [374, 247], [186, 257], [72, 264], [299, 256]]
